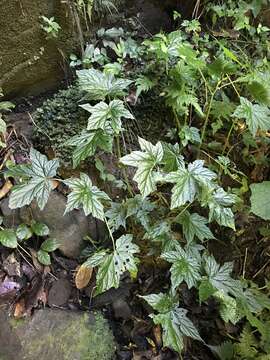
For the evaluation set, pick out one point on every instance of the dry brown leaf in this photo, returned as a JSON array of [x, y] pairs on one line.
[[5, 189], [20, 310], [55, 184], [83, 276]]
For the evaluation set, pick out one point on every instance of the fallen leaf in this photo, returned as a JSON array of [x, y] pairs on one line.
[[5, 189], [55, 184], [83, 276], [158, 335], [20, 310]]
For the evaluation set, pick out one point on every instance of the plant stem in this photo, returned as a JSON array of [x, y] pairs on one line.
[[110, 232]]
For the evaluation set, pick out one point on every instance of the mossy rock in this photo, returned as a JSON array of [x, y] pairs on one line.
[[30, 63], [58, 335], [57, 120]]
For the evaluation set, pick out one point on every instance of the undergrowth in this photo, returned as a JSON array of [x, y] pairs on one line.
[[188, 190]]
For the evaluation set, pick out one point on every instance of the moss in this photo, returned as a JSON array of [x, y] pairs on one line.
[[57, 120], [67, 336]]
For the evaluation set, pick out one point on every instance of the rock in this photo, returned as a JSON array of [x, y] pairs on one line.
[[59, 293], [30, 63], [56, 335], [11, 218], [68, 229]]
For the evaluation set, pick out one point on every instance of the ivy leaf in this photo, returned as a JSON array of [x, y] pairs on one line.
[[87, 143], [189, 134], [40, 229], [188, 182], [39, 183], [23, 232], [43, 257], [194, 225], [99, 85], [145, 161], [85, 194], [185, 267], [112, 266], [172, 158], [117, 215], [140, 208], [256, 116], [104, 115], [50, 245], [220, 278], [219, 210], [173, 319], [260, 199], [8, 238]]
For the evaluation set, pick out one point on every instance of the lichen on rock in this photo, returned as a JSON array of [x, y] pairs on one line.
[[57, 334]]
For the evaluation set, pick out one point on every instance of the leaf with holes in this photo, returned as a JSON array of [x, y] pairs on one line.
[[38, 182], [112, 265], [84, 194], [146, 161]]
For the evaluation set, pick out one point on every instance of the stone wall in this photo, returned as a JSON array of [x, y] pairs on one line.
[[29, 63]]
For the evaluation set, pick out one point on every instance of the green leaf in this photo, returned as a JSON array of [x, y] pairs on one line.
[[39, 183], [224, 351], [85, 194], [40, 229], [99, 85], [23, 232], [184, 267], [260, 199], [189, 134], [145, 161], [228, 308], [219, 210], [173, 319], [172, 158], [50, 245], [43, 257], [143, 84], [117, 215], [206, 290], [220, 278], [188, 182], [256, 116], [87, 143], [3, 126], [107, 115], [194, 225], [6, 105], [8, 238], [112, 266]]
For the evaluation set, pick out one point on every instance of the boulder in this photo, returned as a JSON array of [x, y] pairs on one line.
[[52, 334], [68, 229], [30, 63]]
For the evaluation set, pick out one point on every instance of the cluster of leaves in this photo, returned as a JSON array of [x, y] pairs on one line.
[[11, 238], [205, 83]]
